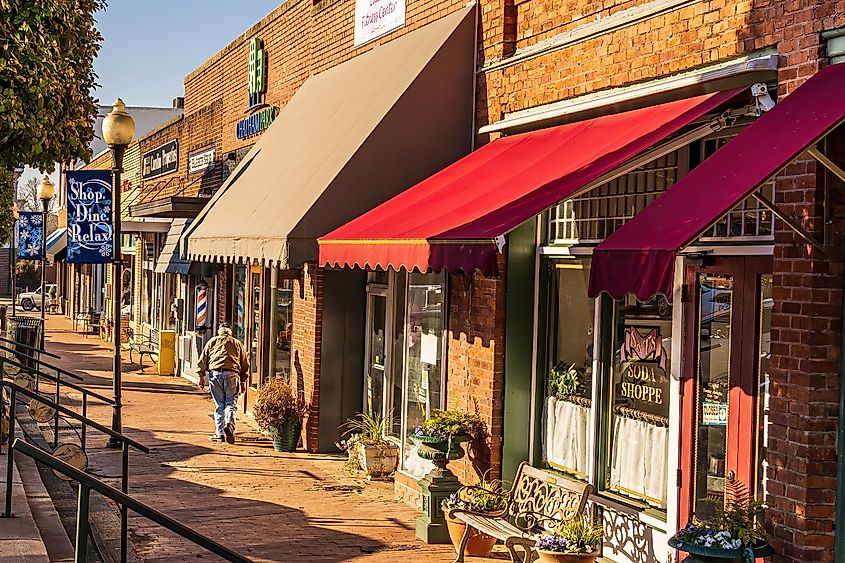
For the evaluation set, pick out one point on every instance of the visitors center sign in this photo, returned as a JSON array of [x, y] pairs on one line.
[[374, 18]]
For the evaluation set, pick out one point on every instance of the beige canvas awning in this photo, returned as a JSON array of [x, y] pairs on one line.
[[349, 139]]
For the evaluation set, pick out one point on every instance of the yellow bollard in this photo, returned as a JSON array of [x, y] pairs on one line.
[[166, 352]]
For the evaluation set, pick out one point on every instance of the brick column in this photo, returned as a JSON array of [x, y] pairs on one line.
[[806, 337], [306, 345], [475, 377]]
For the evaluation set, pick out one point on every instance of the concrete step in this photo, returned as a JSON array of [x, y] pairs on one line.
[[20, 539], [53, 534]]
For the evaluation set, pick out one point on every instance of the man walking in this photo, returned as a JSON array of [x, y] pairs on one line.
[[226, 362]]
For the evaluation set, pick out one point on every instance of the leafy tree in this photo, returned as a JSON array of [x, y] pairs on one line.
[[47, 50]]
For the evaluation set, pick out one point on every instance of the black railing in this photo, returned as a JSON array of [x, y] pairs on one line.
[[59, 382], [124, 441], [87, 483]]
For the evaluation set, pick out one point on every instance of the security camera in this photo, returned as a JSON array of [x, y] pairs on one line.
[[762, 100]]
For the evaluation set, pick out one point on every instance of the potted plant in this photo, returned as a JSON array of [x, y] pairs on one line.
[[733, 535], [367, 446], [573, 540], [485, 497], [279, 411]]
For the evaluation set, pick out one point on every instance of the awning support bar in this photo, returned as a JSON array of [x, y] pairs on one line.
[[791, 223], [827, 163]]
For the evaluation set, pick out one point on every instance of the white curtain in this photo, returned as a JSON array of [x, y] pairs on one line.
[[639, 458], [565, 428]]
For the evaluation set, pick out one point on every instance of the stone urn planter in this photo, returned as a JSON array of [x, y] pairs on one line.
[[703, 554], [440, 451], [378, 460], [559, 557], [478, 545]]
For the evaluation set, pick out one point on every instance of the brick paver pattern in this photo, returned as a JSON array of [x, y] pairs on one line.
[[266, 505]]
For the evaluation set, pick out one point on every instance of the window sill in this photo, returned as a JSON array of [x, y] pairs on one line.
[[650, 516]]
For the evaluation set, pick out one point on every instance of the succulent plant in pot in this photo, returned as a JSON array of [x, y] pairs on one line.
[[573, 540], [367, 445], [279, 410]]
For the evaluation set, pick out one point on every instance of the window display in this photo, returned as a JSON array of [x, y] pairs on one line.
[[569, 380], [239, 324], [639, 420]]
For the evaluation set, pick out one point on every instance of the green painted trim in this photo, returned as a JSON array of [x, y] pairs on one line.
[[519, 345], [600, 455]]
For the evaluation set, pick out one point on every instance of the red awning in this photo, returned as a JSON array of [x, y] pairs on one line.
[[639, 258], [453, 218]]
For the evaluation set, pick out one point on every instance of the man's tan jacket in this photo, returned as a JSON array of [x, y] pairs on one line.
[[224, 352]]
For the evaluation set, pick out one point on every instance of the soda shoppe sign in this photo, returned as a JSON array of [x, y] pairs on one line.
[[374, 18], [643, 385], [160, 161], [89, 217]]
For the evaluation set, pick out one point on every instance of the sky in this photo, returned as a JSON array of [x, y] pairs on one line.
[[150, 45]]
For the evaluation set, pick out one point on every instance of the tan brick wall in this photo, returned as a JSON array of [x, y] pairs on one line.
[[476, 352], [305, 345]]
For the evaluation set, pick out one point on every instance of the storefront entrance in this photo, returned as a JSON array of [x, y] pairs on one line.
[[725, 386]]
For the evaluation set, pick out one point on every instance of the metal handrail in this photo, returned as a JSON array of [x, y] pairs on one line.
[[123, 440], [39, 350], [58, 381], [87, 482], [40, 361]]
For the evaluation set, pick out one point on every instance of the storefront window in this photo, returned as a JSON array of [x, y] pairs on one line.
[[283, 301], [255, 336], [639, 419], [425, 325], [569, 379], [239, 324]]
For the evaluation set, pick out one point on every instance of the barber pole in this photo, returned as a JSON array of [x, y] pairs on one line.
[[202, 306]]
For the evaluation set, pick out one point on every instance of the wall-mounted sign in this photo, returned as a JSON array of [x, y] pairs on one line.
[[257, 79], [31, 235], [255, 123], [89, 217], [201, 160], [161, 160], [374, 18]]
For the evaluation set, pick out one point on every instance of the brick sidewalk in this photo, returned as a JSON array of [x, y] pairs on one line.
[[266, 505]]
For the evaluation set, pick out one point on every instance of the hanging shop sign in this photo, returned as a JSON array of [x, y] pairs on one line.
[[89, 217], [374, 18], [255, 123], [201, 161], [160, 161], [643, 385], [31, 235]]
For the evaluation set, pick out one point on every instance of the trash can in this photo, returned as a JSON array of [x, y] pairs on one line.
[[27, 331]]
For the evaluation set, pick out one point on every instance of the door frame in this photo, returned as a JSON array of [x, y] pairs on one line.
[[378, 290], [741, 443]]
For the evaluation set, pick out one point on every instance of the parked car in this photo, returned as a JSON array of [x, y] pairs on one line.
[[30, 300]]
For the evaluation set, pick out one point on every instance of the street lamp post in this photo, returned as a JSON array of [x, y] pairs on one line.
[[118, 130], [46, 191]]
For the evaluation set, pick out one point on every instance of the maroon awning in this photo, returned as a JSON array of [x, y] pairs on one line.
[[639, 258]]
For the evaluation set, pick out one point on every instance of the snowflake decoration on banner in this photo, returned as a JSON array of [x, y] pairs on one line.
[[32, 249], [105, 250]]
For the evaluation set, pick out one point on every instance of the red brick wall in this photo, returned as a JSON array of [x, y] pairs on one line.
[[305, 345], [476, 354]]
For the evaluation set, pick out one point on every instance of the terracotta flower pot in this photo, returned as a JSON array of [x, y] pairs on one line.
[[479, 545], [558, 557]]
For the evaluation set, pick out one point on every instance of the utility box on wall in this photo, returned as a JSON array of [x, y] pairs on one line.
[[166, 352]]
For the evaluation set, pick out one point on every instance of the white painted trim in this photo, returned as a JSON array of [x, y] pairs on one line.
[[757, 62], [730, 250]]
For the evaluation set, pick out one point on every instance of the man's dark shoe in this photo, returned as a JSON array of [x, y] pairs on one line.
[[230, 434]]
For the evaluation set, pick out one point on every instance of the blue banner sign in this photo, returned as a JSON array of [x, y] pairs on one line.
[[31, 235], [89, 217]]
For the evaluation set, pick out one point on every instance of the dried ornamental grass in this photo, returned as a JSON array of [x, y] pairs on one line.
[[277, 403]]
